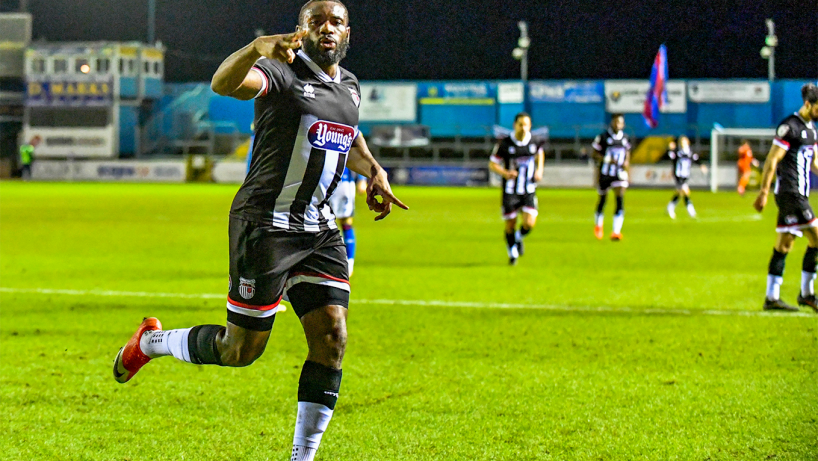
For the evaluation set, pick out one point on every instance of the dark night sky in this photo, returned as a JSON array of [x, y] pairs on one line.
[[471, 39]]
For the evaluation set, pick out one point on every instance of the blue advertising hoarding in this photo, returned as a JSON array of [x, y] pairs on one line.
[[457, 93]]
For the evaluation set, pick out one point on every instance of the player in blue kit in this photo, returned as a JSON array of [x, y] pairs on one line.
[[343, 205]]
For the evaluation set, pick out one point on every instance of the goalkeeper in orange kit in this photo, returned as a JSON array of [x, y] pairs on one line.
[[746, 162]]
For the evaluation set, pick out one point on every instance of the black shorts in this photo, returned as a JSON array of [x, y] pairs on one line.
[[680, 182], [513, 203], [794, 214], [267, 264], [606, 182]]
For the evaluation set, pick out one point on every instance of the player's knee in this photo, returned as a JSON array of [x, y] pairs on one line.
[[784, 246], [336, 340]]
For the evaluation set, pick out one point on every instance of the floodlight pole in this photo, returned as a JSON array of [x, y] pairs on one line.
[[523, 43], [772, 41], [151, 22]]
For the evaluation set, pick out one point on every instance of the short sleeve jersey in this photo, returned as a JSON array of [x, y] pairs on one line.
[[520, 156], [800, 139], [614, 148], [306, 122], [683, 160]]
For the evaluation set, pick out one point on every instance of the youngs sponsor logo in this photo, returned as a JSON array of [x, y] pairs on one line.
[[331, 136]]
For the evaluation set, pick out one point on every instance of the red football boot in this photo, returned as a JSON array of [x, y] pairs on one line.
[[131, 358]]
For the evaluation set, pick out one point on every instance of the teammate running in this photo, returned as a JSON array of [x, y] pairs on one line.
[[791, 158], [519, 159], [283, 239], [683, 159], [612, 150]]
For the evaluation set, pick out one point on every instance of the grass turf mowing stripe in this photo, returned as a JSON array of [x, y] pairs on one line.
[[423, 303]]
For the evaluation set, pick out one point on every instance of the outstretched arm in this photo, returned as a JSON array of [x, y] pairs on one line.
[[233, 77], [360, 160]]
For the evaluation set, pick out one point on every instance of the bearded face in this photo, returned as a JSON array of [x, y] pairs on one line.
[[324, 51], [327, 39]]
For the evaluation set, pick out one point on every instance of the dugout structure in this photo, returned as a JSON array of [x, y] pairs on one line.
[[724, 142]]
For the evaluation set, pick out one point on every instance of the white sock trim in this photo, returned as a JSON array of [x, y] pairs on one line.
[[774, 286], [166, 342], [310, 423], [618, 221], [807, 283]]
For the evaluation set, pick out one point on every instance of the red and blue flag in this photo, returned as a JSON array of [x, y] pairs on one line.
[[657, 94]]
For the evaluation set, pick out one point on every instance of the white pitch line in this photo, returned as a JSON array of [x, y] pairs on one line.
[[425, 303]]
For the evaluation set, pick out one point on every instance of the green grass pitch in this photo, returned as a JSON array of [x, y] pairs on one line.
[[653, 348]]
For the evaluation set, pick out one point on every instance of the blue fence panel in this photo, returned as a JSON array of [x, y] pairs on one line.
[[454, 120], [127, 134], [231, 110], [787, 98], [507, 112], [128, 87], [704, 115], [669, 124], [564, 119], [153, 88], [458, 108]]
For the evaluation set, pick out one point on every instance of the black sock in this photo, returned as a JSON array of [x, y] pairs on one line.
[[687, 200], [524, 230], [511, 239], [675, 199], [620, 205], [201, 343], [600, 207], [810, 258], [319, 384], [776, 267]]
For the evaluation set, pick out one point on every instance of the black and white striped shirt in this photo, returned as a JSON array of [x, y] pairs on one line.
[[306, 123], [800, 139], [683, 161], [520, 156], [614, 149]]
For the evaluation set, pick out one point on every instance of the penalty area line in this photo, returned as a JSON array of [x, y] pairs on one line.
[[424, 303]]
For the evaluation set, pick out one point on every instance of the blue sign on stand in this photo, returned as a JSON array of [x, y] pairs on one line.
[[70, 93], [579, 92]]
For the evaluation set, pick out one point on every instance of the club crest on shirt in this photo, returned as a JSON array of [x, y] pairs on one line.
[[356, 98], [331, 136], [309, 91], [247, 287]]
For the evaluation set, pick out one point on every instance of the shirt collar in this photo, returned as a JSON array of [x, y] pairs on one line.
[[525, 140], [617, 135], [319, 72]]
